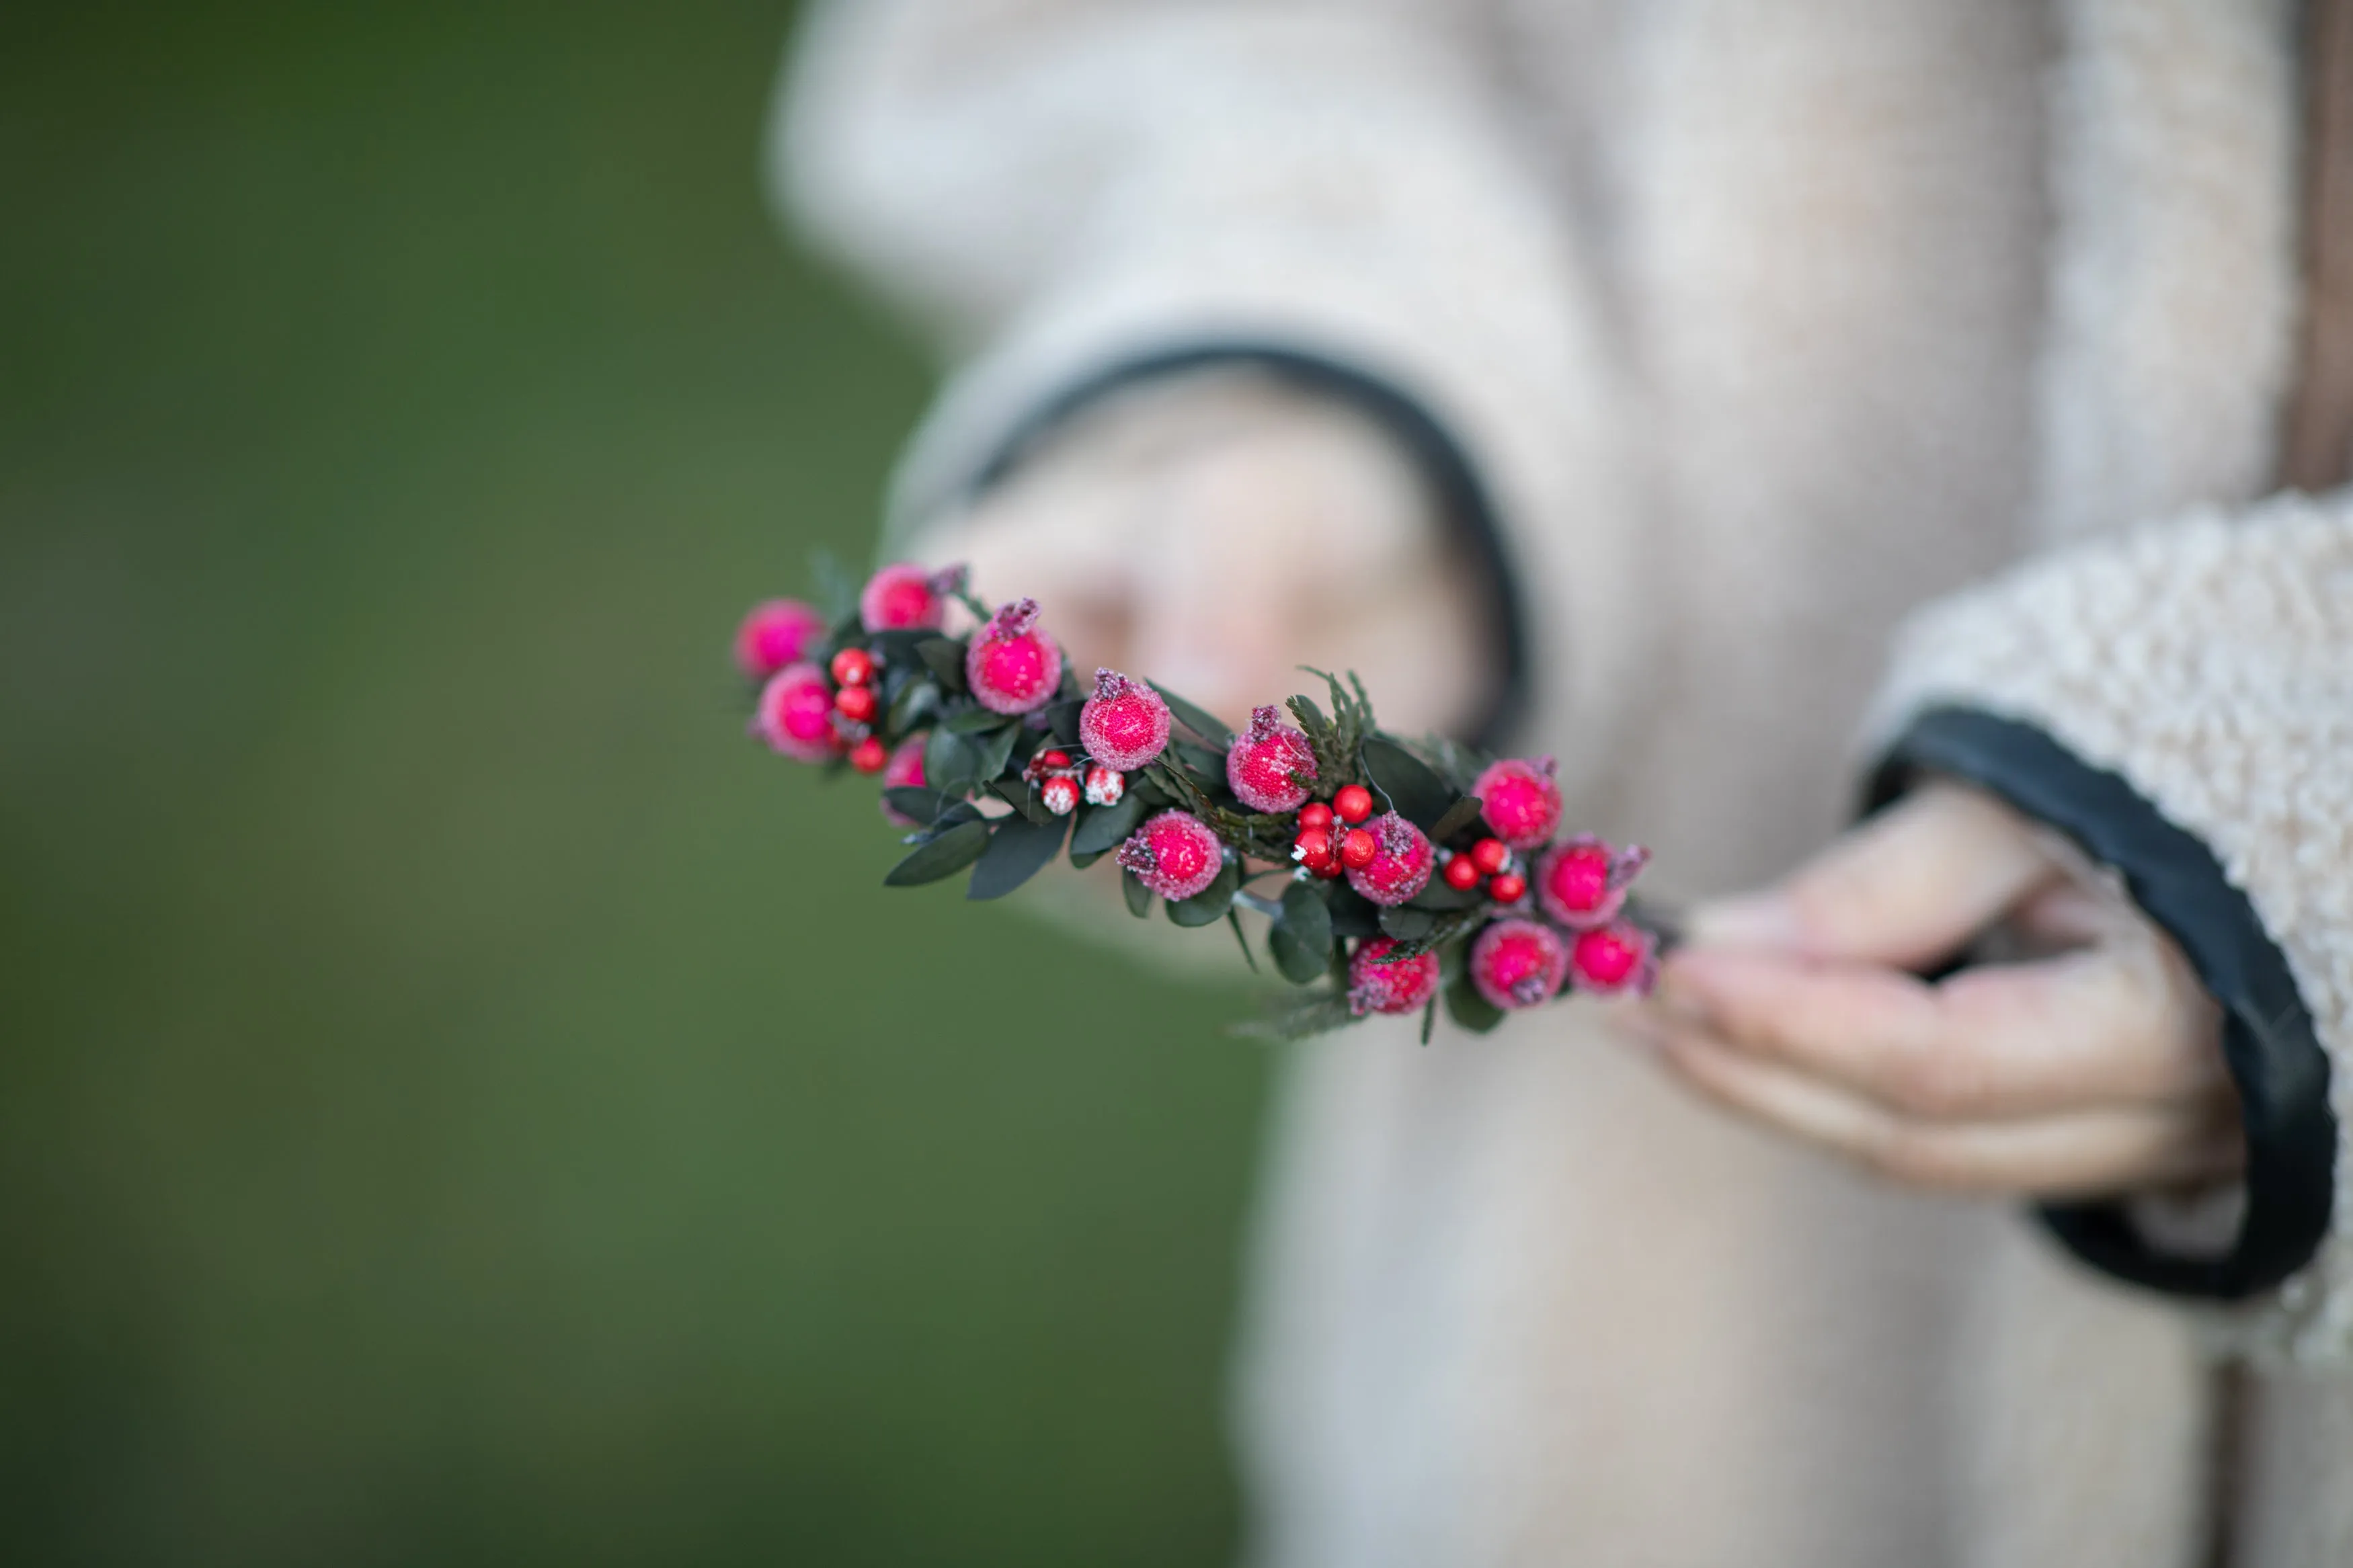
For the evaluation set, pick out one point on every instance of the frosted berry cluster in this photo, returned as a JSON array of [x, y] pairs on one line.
[[1392, 877]]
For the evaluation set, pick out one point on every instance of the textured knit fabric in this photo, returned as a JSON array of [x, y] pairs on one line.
[[1765, 327]]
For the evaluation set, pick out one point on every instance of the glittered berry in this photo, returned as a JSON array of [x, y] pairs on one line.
[[904, 770], [1105, 785], [1518, 962], [796, 714], [1397, 987], [1520, 800], [905, 597], [1060, 795], [1461, 873], [1316, 814], [869, 757], [1353, 804], [1173, 854], [776, 634], [1011, 666], [1583, 882], [852, 667], [1357, 849], [1270, 765], [1125, 724], [1509, 888], [856, 704], [1312, 848], [1402, 863], [1490, 855], [1618, 957]]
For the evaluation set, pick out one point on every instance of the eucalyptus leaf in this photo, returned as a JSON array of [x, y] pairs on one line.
[[946, 657], [1442, 895], [837, 589], [1292, 959], [1406, 924], [1105, 827], [1065, 718], [1017, 850], [1416, 793], [951, 761], [1211, 902], [975, 722], [1459, 815], [914, 703], [1023, 799], [1198, 720], [1138, 895], [918, 805], [1081, 859], [1352, 914], [941, 856], [1469, 1009], [1308, 918], [897, 649], [1317, 1014], [996, 749]]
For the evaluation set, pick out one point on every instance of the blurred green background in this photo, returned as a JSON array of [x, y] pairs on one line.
[[463, 1103]]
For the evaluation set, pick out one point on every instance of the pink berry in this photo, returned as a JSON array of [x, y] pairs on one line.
[[1620, 956], [1125, 724], [1105, 785], [1173, 854], [1396, 987], [1060, 795], [904, 598], [1520, 800], [796, 714], [776, 634], [1402, 862], [1583, 882], [1518, 963], [903, 771], [1011, 666], [1270, 765]]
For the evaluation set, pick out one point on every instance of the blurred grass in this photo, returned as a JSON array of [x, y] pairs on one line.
[[462, 1103]]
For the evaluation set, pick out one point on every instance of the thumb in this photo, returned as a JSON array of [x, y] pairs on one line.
[[1911, 886]]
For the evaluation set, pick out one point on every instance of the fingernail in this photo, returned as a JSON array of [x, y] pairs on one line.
[[1749, 920]]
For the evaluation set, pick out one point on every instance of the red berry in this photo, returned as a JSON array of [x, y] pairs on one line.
[[1010, 664], [1518, 963], [1060, 795], [1397, 987], [1055, 760], [1314, 813], [853, 667], [776, 634], [856, 704], [1125, 724], [1326, 868], [1104, 786], [1354, 804], [1313, 846], [869, 755], [1520, 800], [1357, 849], [1509, 888], [1461, 873], [1583, 882], [1173, 854], [795, 714], [1620, 956], [1490, 855], [1402, 863], [1270, 765], [903, 771], [903, 597]]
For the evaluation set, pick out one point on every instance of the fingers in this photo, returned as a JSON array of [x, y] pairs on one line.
[[2071, 1154], [1912, 885]]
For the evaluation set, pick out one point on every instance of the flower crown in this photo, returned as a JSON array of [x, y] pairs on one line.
[[1391, 873]]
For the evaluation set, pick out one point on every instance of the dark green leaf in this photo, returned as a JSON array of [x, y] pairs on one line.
[[1139, 787], [1308, 918], [897, 649], [1352, 914], [914, 703], [996, 749], [1314, 1014], [1105, 827], [1291, 956], [1081, 859], [951, 761], [1429, 1018], [1200, 761], [1441, 895], [918, 806], [1468, 1008], [1406, 924], [946, 657], [1199, 721], [837, 588], [1459, 815], [1211, 902], [1234, 918], [1017, 850], [1416, 793], [942, 857], [975, 722], [1138, 895], [1023, 799], [1064, 717]]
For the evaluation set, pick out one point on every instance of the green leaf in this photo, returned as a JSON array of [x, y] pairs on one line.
[[837, 589], [975, 722], [1352, 914], [1234, 918], [897, 649], [1292, 960], [1429, 1018], [1311, 717], [1023, 799], [1107, 827], [996, 749], [1459, 815], [942, 857], [918, 805], [951, 761], [946, 657], [1211, 902], [1442, 895], [917, 700], [1017, 850], [1080, 860], [1406, 924], [1417, 793], [1468, 1008], [1199, 721], [1308, 918], [1316, 1014], [1064, 717], [1138, 895]]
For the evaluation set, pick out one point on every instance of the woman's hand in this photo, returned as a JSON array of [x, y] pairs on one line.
[[1215, 533], [2088, 1064]]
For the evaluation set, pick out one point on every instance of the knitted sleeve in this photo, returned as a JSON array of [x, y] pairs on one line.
[[2179, 699]]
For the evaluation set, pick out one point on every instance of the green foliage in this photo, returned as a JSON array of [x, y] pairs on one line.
[[942, 856], [1017, 850]]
